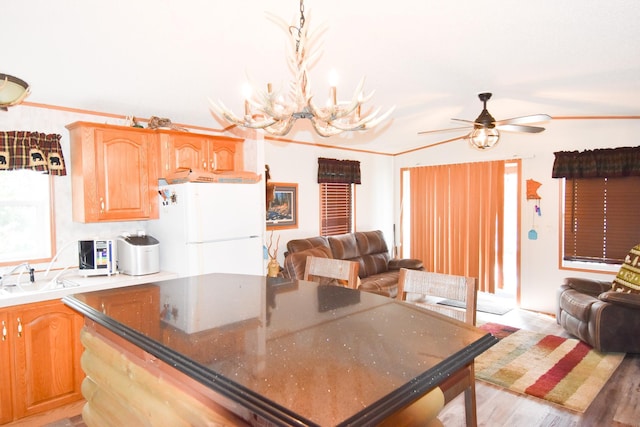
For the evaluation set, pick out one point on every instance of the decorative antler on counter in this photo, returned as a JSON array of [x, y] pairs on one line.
[[273, 268]]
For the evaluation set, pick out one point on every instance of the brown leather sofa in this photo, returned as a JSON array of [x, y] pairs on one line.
[[378, 272], [607, 320]]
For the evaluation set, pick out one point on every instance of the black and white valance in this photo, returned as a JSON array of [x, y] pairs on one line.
[[31, 150]]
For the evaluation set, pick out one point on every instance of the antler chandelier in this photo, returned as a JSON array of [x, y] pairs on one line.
[[276, 113]]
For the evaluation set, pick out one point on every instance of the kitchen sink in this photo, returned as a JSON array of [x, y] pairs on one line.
[[38, 286]]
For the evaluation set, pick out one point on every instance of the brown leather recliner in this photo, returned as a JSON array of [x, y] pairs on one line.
[[607, 320]]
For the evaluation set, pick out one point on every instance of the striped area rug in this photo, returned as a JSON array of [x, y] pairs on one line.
[[564, 371]]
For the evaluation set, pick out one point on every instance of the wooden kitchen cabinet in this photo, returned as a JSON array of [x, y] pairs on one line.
[[6, 412], [114, 173], [138, 306], [40, 357], [183, 150]]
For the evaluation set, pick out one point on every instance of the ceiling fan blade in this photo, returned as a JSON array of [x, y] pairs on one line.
[[534, 118], [442, 130], [471, 122], [520, 128]]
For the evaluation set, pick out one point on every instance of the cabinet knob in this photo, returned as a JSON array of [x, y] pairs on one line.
[[19, 327], [4, 331], [101, 205]]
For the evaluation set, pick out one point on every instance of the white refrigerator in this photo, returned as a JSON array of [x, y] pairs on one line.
[[210, 228]]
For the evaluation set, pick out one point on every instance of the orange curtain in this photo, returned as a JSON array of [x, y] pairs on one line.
[[456, 219]]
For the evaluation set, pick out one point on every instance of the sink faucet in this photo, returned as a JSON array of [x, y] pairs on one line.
[[27, 268]]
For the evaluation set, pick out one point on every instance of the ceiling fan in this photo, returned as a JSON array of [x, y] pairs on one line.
[[486, 130]]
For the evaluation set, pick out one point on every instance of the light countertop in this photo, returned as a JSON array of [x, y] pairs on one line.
[[74, 283]]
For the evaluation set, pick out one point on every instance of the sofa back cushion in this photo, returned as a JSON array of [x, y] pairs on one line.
[[295, 262], [628, 278], [370, 242], [373, 252], [374, 264], [344, 246], [298, 245]]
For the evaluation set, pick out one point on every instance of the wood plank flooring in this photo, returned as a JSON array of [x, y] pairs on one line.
[[617, 404]]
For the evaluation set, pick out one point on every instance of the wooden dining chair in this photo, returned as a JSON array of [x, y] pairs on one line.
[[460, 291], [332, 271]]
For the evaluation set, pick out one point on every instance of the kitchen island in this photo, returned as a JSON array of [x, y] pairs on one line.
[[237, 349]]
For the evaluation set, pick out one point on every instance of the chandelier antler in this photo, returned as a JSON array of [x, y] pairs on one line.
[[276, 113]]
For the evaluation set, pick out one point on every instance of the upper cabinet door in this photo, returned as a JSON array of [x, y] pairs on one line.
[[114, 173], [183, 151], [123, 175], [223, 154], [199, 152]]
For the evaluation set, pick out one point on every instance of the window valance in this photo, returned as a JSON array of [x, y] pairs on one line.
[[31, 150], [338, 171], [599, 163]]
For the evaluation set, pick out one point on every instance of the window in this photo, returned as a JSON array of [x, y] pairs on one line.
[[337, 194], [336, 208], [25, 216], [601, 190], [600, 219]]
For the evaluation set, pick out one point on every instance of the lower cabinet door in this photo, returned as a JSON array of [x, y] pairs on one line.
[[47, 353], [6, 397]]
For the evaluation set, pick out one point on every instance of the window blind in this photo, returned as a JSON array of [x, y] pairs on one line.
[[336, 208], [600, 218]]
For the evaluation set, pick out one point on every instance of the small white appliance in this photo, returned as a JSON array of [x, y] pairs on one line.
[[138, 255], [96, 257]]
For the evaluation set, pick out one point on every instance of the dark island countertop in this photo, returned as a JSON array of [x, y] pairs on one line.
[[292, 352]]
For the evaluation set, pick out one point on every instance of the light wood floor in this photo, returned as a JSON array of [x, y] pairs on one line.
[[618, 403]]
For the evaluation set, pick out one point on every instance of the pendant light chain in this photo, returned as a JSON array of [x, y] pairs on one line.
[[299, 29]]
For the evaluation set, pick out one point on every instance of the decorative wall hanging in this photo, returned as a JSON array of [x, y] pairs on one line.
[[282, 211], [532, 194]]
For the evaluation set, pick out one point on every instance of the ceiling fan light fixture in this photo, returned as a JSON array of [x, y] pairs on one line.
[[484, 138], [12, 91]]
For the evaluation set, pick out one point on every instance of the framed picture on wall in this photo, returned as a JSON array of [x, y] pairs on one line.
[[282, 205]]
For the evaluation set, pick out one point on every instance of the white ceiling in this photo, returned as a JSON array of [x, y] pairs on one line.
[[427, 58]]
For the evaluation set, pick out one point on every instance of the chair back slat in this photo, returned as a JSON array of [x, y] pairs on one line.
[[336, 269], [445, 286]]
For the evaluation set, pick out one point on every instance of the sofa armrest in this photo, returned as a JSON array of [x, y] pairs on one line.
[[410, 263], [620, 298], [592, 287]]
